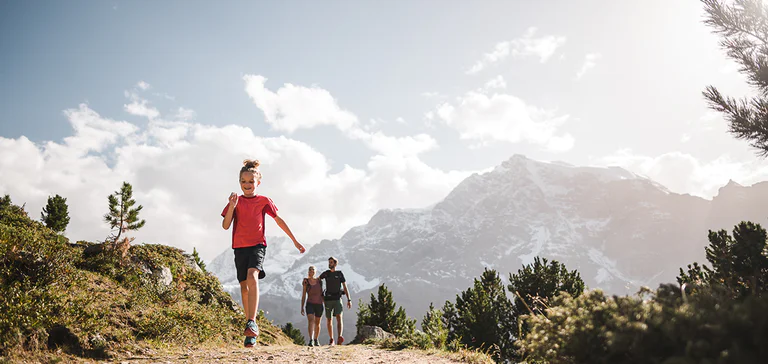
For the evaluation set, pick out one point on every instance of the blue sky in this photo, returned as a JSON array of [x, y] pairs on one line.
[[593, 82]]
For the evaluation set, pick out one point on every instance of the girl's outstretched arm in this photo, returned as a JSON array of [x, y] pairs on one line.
[[281, 223]]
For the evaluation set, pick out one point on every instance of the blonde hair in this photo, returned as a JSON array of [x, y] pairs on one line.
[[251, 166]]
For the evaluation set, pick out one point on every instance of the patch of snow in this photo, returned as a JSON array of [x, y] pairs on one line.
[[486, 264], [602, 276], [595, 224], [610, 266], [357, 282], [540, 237], [511, 248]]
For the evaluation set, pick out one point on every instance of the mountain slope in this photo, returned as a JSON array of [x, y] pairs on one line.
[[620, 230]]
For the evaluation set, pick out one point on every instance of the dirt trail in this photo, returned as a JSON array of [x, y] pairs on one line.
[[290, 354]]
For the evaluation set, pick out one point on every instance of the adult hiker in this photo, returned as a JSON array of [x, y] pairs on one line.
[[334, 280], [313, 295]]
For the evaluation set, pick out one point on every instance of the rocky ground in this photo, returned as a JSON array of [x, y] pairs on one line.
[[293, 354], [274, 354]]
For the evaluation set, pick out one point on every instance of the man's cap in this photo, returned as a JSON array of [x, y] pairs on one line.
[[334, 259]]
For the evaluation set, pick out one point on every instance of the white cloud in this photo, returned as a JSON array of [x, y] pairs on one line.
[[395, 146], [542, 47], [295, 107], [165, 96], [140, 107], [320, 108], [184, 114], [685, 138], [590, 61], [683, 173], [92, 132], [182, 173], [497, 82], [503, 117], [143, 85]]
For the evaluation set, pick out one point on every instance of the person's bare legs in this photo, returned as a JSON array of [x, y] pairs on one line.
[[310, 325], [330, 329], [340, 325], [244, 297], [317, 326], [253, 293]]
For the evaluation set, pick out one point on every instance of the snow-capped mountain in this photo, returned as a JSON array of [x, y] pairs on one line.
[[618, 229]]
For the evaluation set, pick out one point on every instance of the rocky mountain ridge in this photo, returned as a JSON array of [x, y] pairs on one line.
[[618, 229]]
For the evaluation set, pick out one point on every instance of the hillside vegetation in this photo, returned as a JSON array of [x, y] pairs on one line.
[[98, 300]]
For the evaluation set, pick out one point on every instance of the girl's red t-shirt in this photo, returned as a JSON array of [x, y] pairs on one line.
[[248, 220]]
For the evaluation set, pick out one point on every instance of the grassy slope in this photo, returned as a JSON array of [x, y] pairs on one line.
[[94, 301]]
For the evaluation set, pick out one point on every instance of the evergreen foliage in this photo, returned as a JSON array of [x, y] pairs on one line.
[[293, 333], [743, 29], [55, 214], [122, 215], [536, 284], [433, 327], [198, 260], [382, 311], [482, 317]]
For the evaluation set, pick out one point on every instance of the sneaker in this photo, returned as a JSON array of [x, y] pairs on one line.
[[251, 329], [311, 343], [341, 340], [249, 342], [330, 342], [317, 343]]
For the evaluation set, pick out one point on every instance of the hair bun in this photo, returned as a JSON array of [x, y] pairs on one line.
[[248, 163]]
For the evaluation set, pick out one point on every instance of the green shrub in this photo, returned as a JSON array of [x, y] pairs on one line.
[[293, 333], [434, 329], [593, 328]]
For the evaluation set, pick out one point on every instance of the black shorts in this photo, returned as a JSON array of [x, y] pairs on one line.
[[250, 257], [315, 309]]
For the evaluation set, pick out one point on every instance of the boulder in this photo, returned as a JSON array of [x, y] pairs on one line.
[[191, 263], [163, 276], [371, 332], [93, 250]]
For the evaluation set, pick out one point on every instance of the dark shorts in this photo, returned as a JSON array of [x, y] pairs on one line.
[[333, 308], [315, 309], [250, 257]]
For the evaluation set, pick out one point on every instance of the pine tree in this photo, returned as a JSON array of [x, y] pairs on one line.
[[55, 214], [432, 325], [293, 333], [695, 274], [200, 263], [451, 322], [536, 284], [5, 201], [743, 26], [382, 311], [482, 317], [739, 262], [121, 214]]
